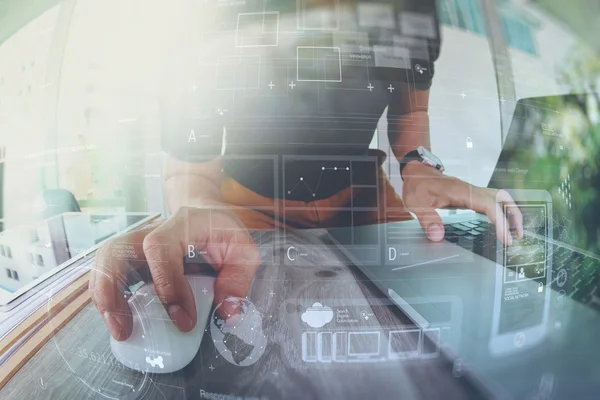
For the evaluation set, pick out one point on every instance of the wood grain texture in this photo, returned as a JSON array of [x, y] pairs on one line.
[[59, 300], [42, 335], [77, 362]]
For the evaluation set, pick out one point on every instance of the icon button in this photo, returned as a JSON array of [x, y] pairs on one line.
[[420, 69], [561, 277], [519, 339]]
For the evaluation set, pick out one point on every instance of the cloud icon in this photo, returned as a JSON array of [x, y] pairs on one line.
[[317, 315]]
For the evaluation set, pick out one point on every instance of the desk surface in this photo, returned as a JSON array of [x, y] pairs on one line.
[[77, 363]]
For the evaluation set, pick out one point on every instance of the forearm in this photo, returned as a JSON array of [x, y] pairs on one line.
[[410, 132], [193, 184]]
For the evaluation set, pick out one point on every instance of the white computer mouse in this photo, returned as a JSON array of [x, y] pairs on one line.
[[155, 344]]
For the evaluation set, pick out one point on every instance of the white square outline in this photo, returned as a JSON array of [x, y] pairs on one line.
[[396, 355], [320, 357], [344, 342], [301, 18], [376, 353], [237, 30], [317, 47], [436, 332], [304, 347]]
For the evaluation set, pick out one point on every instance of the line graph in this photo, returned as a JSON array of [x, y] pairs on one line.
[[314, 192]]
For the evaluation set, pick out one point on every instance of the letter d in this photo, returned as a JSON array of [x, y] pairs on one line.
[[392, 253]]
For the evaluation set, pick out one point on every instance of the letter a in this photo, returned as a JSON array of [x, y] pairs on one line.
[[192, 136]]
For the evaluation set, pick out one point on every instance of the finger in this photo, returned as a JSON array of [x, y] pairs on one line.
[[431, 222], [513, 211], [483, 202], [108, 278], [107, 294], [502, 226], [237, 271], [164, 251]]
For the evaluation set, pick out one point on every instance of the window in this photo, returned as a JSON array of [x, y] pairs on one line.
[[465, 14], [39, 260], [446, 12], [15, 275], [8, 252], [518, 34], [477, 18], [9, 273], [468, 15]]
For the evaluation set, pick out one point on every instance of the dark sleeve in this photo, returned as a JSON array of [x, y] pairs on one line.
[[191, 129], [420, 33]]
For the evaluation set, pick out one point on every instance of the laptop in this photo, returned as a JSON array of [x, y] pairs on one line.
[[510, 313]]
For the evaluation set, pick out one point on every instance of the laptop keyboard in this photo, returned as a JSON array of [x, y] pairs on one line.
[[574, 273], [473, 236]]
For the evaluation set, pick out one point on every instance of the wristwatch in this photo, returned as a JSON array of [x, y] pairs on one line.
[[424, 156]]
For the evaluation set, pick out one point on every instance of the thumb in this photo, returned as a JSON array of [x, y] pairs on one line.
[[431, 223]]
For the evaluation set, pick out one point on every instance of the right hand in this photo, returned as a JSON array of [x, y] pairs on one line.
[[160, 250]]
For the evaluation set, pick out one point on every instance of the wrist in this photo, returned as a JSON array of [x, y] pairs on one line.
[[420, 160], [416, 168], [201, 204]]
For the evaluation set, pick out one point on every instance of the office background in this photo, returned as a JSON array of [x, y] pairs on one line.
[[78, 107]]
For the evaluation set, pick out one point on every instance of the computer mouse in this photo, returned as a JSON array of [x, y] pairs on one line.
[[155, 344]]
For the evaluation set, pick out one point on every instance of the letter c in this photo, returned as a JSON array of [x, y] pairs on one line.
[[288, 253]]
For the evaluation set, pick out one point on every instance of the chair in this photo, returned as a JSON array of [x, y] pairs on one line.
[[59, 201]]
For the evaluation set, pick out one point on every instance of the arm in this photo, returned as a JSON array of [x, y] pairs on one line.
[[192, 184], [425, 188], [408, 121]]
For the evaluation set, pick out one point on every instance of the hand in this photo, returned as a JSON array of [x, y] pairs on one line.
[[426, 189], [159, 250]]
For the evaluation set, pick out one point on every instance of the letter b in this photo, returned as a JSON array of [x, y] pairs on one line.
[[191, 251]]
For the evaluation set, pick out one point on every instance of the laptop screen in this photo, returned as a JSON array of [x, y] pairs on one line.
[[554, 144]]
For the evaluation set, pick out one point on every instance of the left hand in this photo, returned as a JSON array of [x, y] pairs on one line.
[[426, 189]]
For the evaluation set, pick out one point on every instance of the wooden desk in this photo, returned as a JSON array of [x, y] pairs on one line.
[[77, 360]]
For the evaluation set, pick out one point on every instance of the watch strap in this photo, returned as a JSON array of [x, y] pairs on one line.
[[410, 156]]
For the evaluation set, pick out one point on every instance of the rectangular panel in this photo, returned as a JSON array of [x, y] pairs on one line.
[[340, 341], [364, 343], [238, 73], [318, 64], [257, 29], [404, 343], [309, 346], [325, 346], [322, 18]]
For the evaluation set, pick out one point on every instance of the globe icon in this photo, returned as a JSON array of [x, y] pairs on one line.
[[238, 336]]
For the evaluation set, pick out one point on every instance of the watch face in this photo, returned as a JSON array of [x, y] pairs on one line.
[[426, 154]]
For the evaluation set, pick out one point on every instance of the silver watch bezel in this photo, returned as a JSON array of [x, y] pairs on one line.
[[428, 158]]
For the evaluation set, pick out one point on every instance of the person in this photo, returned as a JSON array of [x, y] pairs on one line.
[[270, 129]]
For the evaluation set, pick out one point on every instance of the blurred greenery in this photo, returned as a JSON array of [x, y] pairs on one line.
[[581, 74], [557, 139]]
